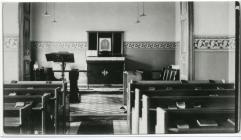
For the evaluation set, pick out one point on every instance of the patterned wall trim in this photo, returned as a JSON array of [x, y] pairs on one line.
[[46, 44], [11, 42], [214, 43], [151, 45], [141, 45]]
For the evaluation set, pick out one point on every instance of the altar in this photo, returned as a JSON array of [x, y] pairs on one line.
[[105, 62]]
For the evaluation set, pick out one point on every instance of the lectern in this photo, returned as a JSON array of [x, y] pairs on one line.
[[63, 57]]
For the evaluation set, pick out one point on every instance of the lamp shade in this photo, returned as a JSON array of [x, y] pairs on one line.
[[35, 66]]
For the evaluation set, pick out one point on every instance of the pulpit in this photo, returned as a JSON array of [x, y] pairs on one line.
[[62, 57]]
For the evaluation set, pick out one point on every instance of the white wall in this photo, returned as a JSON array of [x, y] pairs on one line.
[[10, 19], [177, 32], [214, 20], [74, 19], [10, 41]]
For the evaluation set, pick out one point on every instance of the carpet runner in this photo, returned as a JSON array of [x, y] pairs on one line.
[[104, 127]]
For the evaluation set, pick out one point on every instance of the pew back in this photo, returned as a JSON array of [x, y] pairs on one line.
[[172, 91], [47, 84], [45, 101], [56, 104], [17, 119]]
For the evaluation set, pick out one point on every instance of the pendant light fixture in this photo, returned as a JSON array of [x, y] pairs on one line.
[[143, 10], [138, 20], [46, 10], [54, 18]]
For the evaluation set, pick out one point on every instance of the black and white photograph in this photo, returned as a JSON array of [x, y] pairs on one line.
[[120, 68]]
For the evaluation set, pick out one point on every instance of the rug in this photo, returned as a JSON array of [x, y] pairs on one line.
[[96, 127]]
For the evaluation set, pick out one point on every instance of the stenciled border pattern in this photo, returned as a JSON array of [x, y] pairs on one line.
[[10, 42], [203, 43], [47, 44], [214, 43], [151, 45], [127, 44]]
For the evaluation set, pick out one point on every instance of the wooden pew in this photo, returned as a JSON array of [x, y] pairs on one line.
[[165, 89], [127, 77], [142, 85], [209, 103], [34, 84], [17, 119], [41, 109], [165, 123], [55, 104], [48, 84], [196, 107]]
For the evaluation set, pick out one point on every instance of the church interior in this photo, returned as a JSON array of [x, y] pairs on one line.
[[120, 68]]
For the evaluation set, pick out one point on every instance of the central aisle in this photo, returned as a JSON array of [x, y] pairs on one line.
[[98, 113]]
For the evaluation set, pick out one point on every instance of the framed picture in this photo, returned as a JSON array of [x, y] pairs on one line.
[[105, 44]]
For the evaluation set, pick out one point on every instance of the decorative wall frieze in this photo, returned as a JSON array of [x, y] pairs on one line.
[[127, 44], [47, 44], [151, 45], [214, 43], [10, 41]]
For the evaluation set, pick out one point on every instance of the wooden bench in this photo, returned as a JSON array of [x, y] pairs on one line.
[[145, 85], [35, 84], [129, 76], [196, 107], [48, 84], [55, 105], [17, 119], [42, 107], [167, 89]]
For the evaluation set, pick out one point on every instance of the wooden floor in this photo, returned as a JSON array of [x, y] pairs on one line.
[[99, 104]]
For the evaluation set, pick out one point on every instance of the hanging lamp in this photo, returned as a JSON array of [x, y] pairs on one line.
[[54, 18], [46, 13], [143, 10], [138, 20]]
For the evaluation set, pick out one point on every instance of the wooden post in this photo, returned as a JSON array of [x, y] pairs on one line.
[[160, 121], [129, 106], [125, 88], [144, 120], [135, 121]]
